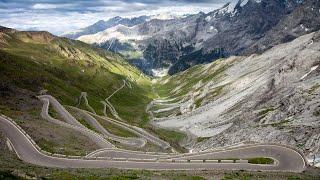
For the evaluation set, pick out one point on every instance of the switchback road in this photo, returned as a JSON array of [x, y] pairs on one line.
[[286, 159]]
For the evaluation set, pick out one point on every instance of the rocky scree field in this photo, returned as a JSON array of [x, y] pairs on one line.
[[272, 97]]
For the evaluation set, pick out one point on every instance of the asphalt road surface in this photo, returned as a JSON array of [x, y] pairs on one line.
[[286, 159], [72, 122], [99, 140], [130, 141]]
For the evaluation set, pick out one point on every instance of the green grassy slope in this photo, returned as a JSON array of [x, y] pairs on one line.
[[35, 61], [189, 84], [187, 80]]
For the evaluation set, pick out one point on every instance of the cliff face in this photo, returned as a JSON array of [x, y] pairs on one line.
[[304, 19]]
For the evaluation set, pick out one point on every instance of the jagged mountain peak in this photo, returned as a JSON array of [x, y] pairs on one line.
[[102, 25], [237, 28]]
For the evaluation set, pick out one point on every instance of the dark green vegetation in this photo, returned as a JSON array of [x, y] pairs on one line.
[[39, 61], [261, 160], [7, 175], [279, 124], [264, 112], [200, 139], [86, 124]]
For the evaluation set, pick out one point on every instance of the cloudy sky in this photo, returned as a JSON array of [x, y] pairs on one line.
[[58, 16]]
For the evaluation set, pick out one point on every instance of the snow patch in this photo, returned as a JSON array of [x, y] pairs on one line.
[[314, 160], [244, 2], [119, 32], [311, 70], [208, 18], [166, 16], [161, 72]]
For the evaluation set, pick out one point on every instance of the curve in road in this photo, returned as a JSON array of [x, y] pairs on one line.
[[29, 153], [99, 140], [121, 153], [71, 120], [136, 142], [83, 96], [136, 130]]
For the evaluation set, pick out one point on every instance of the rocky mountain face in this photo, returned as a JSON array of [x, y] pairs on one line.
[[242, 28], [272, 97], [303, 19]]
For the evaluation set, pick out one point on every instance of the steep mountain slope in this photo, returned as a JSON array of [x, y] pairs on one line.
[[272, 97], [235, 29], [302, 20], [103, 25], [36, 62]]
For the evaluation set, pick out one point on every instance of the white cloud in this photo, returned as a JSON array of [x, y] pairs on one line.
[[55, 19], [45, 6]]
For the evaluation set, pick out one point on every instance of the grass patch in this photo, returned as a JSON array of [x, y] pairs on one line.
[[264, 112], [188, 79], [201, 139], [277, 124], [46, 145], [314, 88], [237, 176], [53, 113], [115, 129], [68, 147], [280, 123], [260, 160], [86, 124], [170, 136], [198, 102]]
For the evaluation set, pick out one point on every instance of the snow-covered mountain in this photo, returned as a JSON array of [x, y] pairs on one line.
[[244, 27], [103, 25]]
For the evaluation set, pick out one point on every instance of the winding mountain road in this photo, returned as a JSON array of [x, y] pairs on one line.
[[286, 159], [138, 131], [136, 142], [72, 122], [83, 96]]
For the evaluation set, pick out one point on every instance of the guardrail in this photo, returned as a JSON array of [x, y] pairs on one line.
[[242, 161]]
